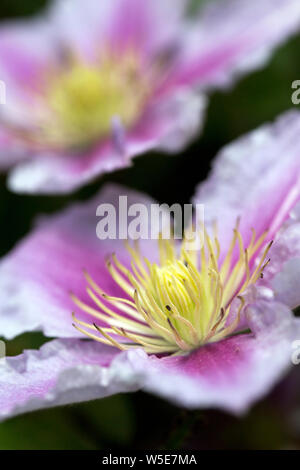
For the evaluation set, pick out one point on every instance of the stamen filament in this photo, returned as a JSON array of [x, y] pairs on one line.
[[180, 304]]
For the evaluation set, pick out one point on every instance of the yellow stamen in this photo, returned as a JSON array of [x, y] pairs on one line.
[[81, 100], [181, 303]]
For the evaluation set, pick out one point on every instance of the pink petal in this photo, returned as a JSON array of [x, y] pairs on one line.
[[233, 373], [230, 375], [147, 26], [26, 50], [36, 278], [62, 372], [11, 151], [233, 37], [256, 178], [283, 273], [150, 26], [81, 25]]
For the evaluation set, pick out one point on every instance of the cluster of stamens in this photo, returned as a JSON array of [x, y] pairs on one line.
[[181, 303], [78, 101]]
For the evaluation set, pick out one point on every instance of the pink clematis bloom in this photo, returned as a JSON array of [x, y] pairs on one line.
[[170, 325], [92, 84]]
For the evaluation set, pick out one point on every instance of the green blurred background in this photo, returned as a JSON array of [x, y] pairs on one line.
[[140, 420]]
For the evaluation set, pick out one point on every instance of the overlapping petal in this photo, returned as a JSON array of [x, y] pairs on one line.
[[37, 278], [234, 372], [230, 374], [256, 179], [10, 150], [62, 372], [233, 37], [283, 273], [106, 22], [26, 48]]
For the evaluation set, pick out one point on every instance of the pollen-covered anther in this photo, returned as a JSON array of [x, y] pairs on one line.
[[185, 301]]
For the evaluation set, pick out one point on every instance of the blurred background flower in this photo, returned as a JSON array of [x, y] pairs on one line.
[[89, 87]]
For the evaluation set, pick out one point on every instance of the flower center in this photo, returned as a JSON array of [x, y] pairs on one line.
[[182, 303], [82, 100], [168, 285]]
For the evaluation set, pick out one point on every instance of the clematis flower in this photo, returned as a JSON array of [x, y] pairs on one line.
[[92, 84], [211, 328]]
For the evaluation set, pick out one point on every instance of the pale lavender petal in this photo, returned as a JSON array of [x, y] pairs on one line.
[[168, 125], [232, 37], [147, 26], [230, 375], [49, 173], [62, 372], [11, 150], [283, 273], [26, 50], [36, 278], [233, 373], [256, 178], [81, 25]]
